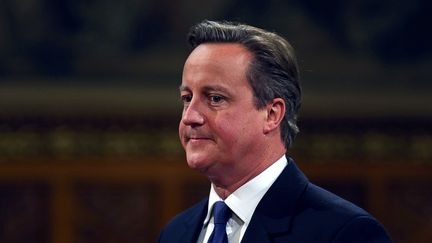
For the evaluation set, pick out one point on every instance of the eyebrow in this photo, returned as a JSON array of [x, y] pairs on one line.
[[183, 88], [208, 88], [217, 88]]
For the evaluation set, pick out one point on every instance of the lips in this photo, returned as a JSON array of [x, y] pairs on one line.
[[196, 136], [193, 138]]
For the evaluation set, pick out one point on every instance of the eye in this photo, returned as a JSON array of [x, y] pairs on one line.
[[186, 98], [216, 98]]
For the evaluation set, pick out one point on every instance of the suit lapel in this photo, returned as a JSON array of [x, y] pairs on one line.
[[272, 217], [193, 224]]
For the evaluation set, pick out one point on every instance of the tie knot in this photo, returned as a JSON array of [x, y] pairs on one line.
[[221, 213]]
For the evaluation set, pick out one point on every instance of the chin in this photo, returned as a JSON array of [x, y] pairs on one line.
[[197, 162]]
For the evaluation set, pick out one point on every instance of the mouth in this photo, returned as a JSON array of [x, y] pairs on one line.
[[188, 139], [194, 139]]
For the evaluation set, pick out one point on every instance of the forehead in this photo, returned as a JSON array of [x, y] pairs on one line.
[[223, 63], [228, 52]]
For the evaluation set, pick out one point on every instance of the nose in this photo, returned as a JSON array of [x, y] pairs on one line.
[[193, 115]]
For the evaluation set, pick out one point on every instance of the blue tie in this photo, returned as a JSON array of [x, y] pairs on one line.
[[221, 214]]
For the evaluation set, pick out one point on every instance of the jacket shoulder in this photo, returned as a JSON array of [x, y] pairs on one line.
[[365, 229], [337, 219]]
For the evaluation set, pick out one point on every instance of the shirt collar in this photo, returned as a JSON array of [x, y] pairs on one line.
[[245, 199]]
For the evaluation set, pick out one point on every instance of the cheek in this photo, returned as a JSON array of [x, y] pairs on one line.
[[180, 127], [228, 133], [244, 127], [230, 130], [180, 131]]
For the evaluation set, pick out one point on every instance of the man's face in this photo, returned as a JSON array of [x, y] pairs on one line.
[[220, 128]]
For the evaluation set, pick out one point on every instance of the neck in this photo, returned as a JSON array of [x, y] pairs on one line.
[[225, 187]]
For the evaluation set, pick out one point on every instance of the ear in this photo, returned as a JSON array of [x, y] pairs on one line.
[[275, 114]]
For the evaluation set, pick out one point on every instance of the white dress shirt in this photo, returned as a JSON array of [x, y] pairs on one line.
[[242, 203]]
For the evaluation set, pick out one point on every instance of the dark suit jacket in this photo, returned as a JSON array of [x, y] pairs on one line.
[[293, 210]]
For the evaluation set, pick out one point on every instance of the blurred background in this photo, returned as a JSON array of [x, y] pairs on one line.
[[89, 111]]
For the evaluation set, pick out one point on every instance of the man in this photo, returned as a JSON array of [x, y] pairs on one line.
[[241, 94]]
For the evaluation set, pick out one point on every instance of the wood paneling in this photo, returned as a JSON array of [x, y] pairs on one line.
[[130, 199]]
